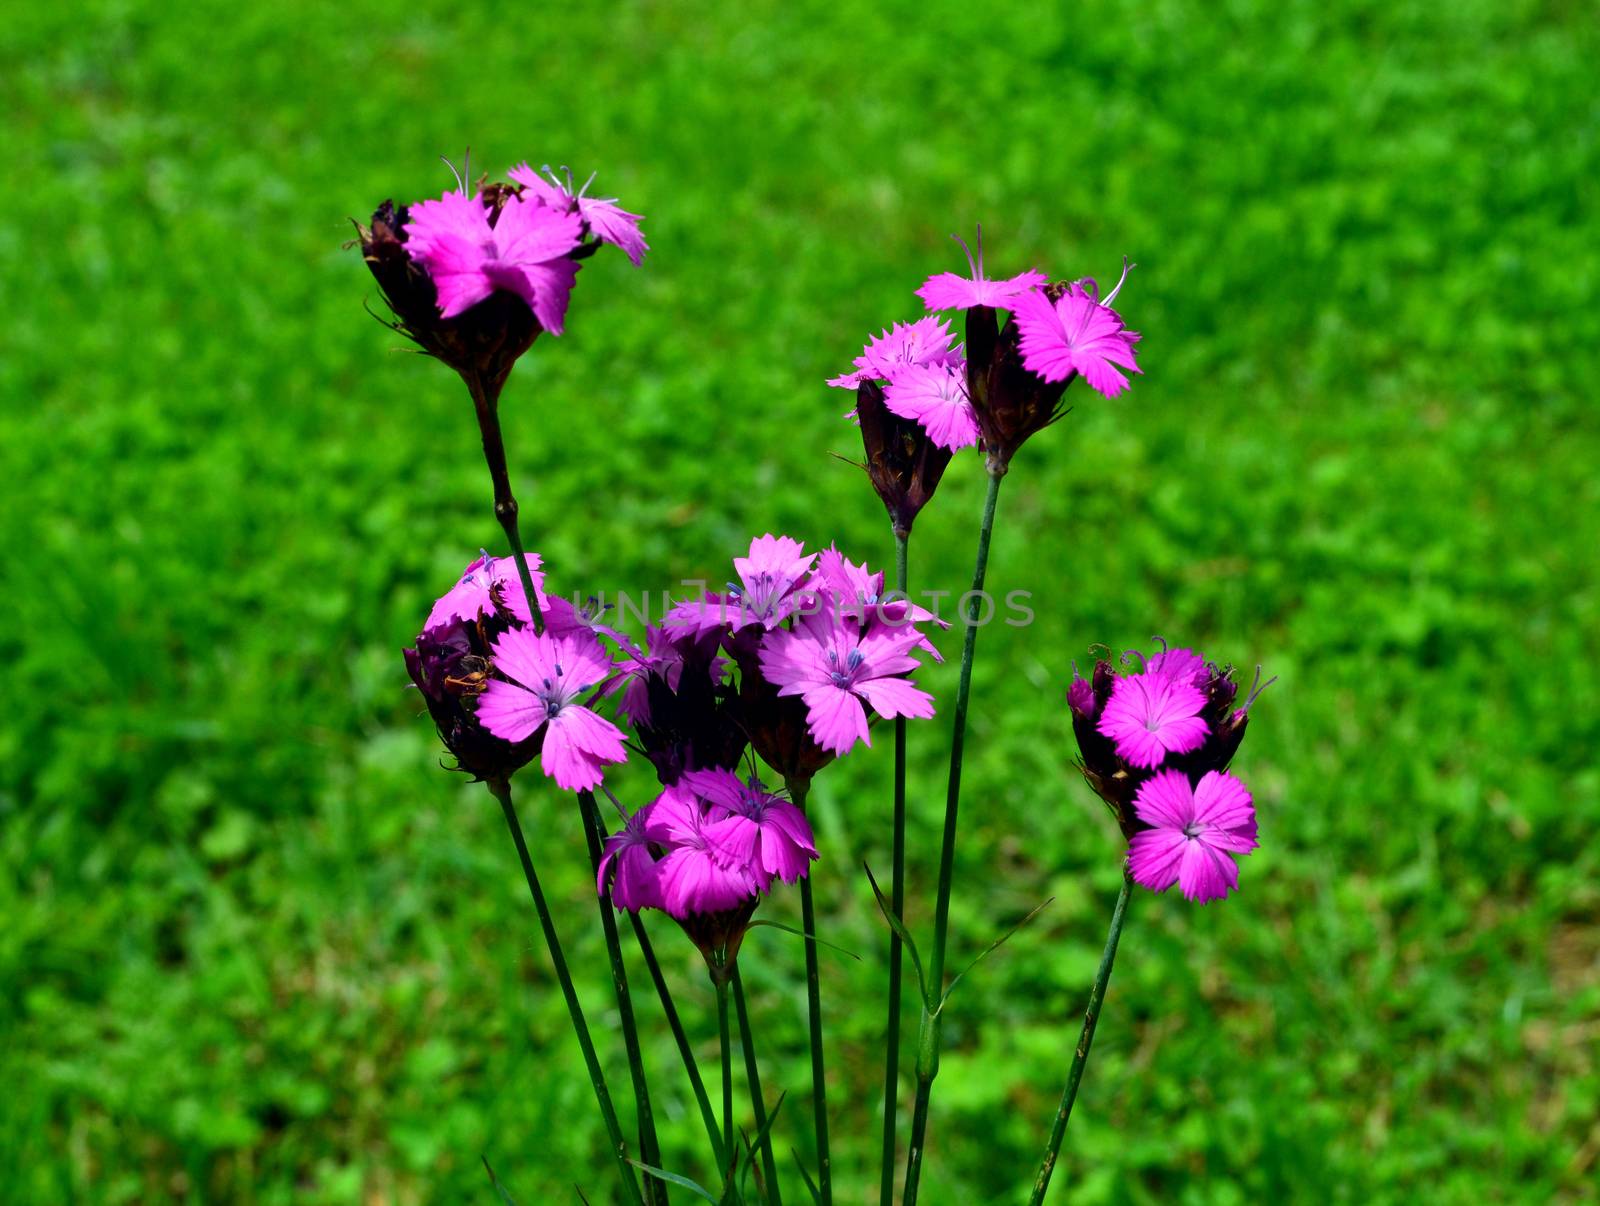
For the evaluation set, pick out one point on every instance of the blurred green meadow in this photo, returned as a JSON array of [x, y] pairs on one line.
[[256, 947]]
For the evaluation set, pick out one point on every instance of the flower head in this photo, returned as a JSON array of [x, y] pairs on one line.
[[1151, 715], [840, 668], [490, 586], [935, 396], [541, 681], [927, 341], [770, 578], [627, 870], [1073, 332], [781, 843], [450, 665], [950, 291], [603, 217], [1191, 833]]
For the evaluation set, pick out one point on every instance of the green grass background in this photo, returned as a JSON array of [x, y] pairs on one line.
[[257, 947]]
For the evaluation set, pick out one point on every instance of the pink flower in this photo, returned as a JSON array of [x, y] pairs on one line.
[[856, 593], [1076, 333], [925, 341], [1180, 665], [543, 677], [628, 865], [485, 585], [606, 219], [1150, 715], [771, 576], [782, 844], [936, 397], [1193, 832], [837, 671], [706, 866], [947, 291], [525, 252]]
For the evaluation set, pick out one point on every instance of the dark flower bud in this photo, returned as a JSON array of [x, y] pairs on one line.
[[693, 726], [1010, 402], [903, 463]]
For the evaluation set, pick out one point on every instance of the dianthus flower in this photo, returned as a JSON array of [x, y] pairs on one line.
[[950, 291], [925, 342], [770, 578], [540, 681], [1076, 333], [605, 219], [935, 396], [1193, 830]]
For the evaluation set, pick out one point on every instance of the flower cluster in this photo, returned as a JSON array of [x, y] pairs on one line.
[[1155, 747], [501, 694], [1007, 381], [474, 276]]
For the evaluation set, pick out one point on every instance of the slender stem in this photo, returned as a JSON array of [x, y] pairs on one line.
[[819, 1087], [486, 400], [752, 1075], [929, 1033], [619, 1147], [727, 1071], [897, 901], [685, 1049], [649, 1148], [1097, 996]]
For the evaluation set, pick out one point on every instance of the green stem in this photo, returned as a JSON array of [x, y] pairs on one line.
[[486, 401], [649, 1148], [501, 791], [753, 1075], [929, 1033], [721, 982], [685, 1049], [1097, 996], [819, 1089], [897, 901]]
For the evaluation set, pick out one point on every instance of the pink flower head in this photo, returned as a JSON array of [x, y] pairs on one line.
[[707, 861], [489, 586], [1193, 832], [628, 865], [1150, 715], [770, 577], [541, 679], [948, 291], [667, 657], [1181, 666], [605, 219], [838, 671], [782, 844], [856, 593], [1076, 333], [935, 396], [927, 341], [525, 251]]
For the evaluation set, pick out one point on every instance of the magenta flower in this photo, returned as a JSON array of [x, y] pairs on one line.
[[629, 867], [856, 593], [948, 291], [936, 397], [543, 678], [927, 341], [706, 868], [782, 844], [1193, 832], [838, 672], [1075, 333], [607, 220], [487, 586], [525, 252], [1150, 715], [771, 576]]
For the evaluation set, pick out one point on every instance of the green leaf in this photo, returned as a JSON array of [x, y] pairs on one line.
[[789, 929], [990, 949], [674, 1179], [751, 1144], [816, 1194], [899, 928]]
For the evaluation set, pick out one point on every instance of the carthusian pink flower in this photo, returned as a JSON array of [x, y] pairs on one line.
[[782, 846], [927, 341], [706, 868], [605, 219], [949, 291], [770, 578], [838, 671], [1076, 333], [1193, 833], [542, 678], [525, 252], [629, 866], [1150, 715], [936, 397], [489, 586]]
